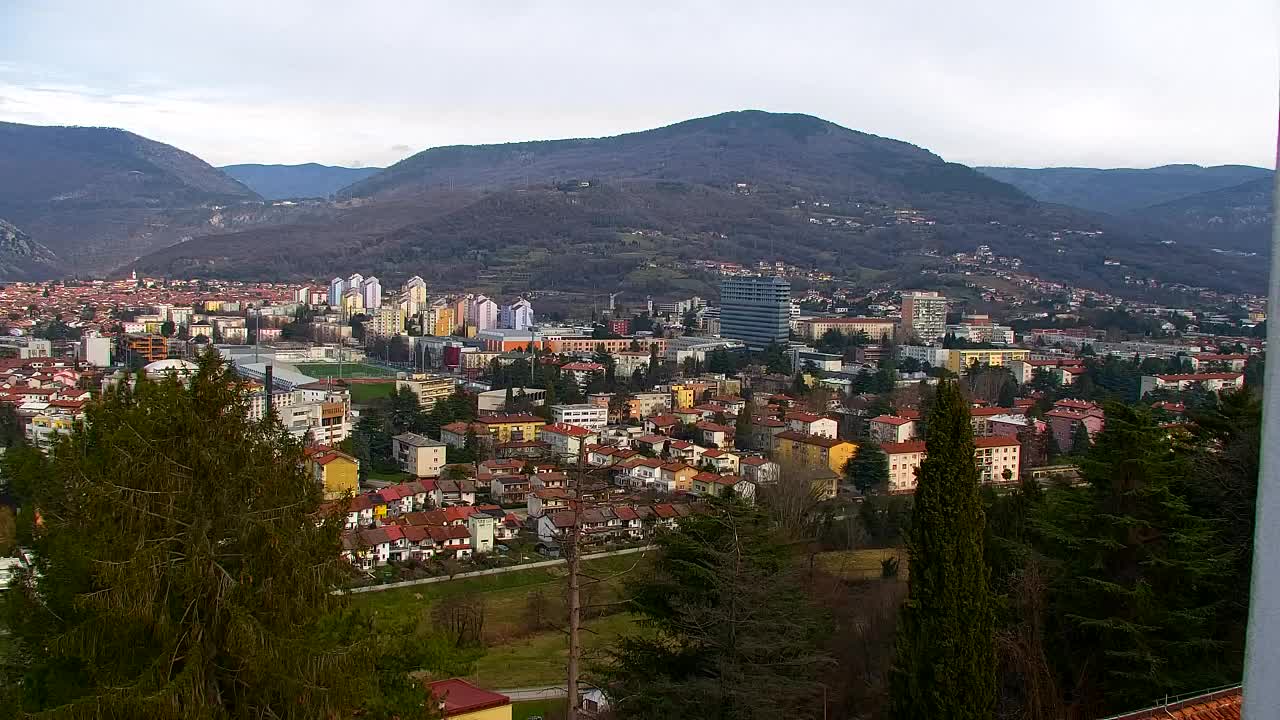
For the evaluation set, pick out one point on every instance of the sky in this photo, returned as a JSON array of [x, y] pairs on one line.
[[1128, 83]]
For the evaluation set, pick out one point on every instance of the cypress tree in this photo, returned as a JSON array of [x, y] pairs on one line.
[[1080, 440], [946, 660]]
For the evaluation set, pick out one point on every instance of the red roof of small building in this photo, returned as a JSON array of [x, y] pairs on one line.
[[566, 429], [891, 420]]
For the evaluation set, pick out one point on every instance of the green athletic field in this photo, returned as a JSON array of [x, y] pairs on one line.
[[349, 370]]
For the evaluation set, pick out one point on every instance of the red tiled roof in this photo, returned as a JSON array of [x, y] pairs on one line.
[[1196, 377], [809, 439], [754, 460], [805, 417], [509, 419], [566, 429], [891, 420], [582, 367], [910, 446], [1221, 705], [713, 427], [996, 441]]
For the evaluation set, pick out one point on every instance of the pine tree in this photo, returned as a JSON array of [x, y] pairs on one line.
[[730, 638], [1138, 577], [946, 661], [183, 571]]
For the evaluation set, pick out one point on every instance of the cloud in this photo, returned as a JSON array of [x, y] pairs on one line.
[[1094, 82]]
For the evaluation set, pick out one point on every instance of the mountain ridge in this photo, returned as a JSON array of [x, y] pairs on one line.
[[97, 197], [305, 180], [1120, 190]]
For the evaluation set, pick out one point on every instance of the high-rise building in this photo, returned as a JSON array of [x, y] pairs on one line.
[[337, 286], [355, 280], [924, 316], [517, 316], [415, 295], [386, 321], [371, 290], [755, 310], [484, 313]]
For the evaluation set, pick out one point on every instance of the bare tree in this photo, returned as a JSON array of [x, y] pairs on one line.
[[461, 618], [794, 501]]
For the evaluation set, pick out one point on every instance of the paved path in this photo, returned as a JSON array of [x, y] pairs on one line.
[[482, 573]]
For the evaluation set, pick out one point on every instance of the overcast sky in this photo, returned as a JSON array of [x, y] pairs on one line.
[[1131, 83]]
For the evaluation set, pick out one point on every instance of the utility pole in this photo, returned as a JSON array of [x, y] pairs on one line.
[[573, 562]]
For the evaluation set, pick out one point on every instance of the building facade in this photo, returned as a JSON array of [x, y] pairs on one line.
[[924, 316], [584, 415], [755, 310]]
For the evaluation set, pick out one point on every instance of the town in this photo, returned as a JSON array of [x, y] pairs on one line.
[[666, 402]]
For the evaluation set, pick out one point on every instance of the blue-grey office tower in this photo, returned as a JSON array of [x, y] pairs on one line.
[[755, 310]]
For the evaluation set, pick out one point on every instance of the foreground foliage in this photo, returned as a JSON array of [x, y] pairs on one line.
[[182, 571]]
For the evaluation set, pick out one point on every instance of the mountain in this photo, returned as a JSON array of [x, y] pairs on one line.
[[768, 152], [635, 212], [311, 180], [1122, 189], [97, 197], [1233, 219], [21, 258]]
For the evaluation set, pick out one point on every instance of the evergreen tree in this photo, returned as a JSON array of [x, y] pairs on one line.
[[1138, 576], [730, 637], [182, 569], [946, 661], [1080, 440], [742, 428], [868, 469], [1008, 394]]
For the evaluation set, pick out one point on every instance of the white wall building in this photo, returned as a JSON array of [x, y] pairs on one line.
[[484, 313], [371, 291], [517, 316], [591, 417]]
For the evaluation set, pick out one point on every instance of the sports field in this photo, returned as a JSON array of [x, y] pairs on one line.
[[348, 370]]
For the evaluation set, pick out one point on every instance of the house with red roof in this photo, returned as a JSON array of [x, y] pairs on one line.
[[566, 441], [457, 698], [1214, 382]]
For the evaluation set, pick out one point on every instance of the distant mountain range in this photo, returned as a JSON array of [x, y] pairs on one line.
[[1122, 190], [310, 180], [590, 215]]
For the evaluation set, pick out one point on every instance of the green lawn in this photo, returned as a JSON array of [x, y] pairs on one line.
[[540, 659], [352, 370], [505, 594], [545, 709], [365, 393]]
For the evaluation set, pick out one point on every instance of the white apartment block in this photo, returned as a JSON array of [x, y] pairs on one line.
[[591, 417], [924, 316], [994, 456]]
